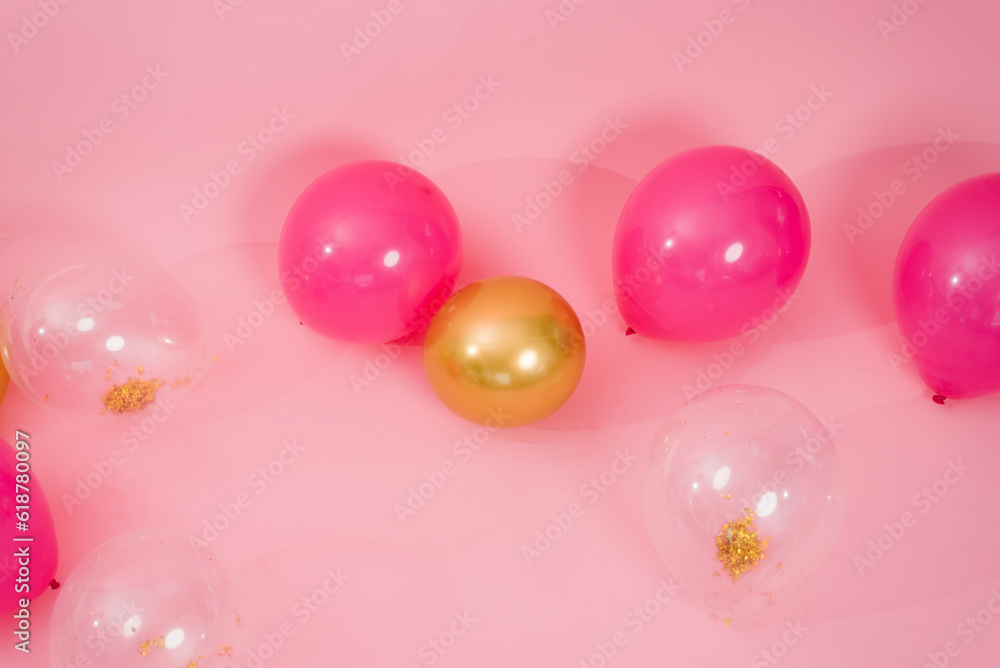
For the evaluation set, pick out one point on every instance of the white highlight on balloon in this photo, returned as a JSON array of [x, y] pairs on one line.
[[767, 504], [174, 639], [391, 258], [528, 359], [85, 324], [115, 343], [721, 477], [734, 252]]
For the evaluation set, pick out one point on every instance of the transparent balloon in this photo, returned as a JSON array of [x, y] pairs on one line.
[[149, 598], [25, 526], [946, 290], [369, 252], [711, 242], [744, 497], [97, 329]]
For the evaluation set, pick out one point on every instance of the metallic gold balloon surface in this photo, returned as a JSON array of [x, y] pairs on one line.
[[506, 351], [4, 381]]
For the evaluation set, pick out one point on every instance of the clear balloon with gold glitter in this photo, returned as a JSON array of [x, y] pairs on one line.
[[744, 498], [152, 598], [504, 352], [99, 329]]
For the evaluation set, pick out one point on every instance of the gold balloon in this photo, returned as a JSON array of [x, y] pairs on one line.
[[506, 351], [4, 381]]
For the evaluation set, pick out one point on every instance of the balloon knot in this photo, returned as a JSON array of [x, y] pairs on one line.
[[939, 399], [629, 332]]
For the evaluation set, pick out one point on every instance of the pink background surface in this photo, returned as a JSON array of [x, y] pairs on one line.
[[885, 99]]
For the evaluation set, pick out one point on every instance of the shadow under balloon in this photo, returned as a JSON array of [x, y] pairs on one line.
[[257, 349], [861, 207], [345, 596], [273, 189]]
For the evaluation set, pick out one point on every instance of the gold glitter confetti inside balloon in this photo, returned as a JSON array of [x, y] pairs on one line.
[[132, 395], [744, 498], [504, 352], [151, 598], [81, 323], [740, 548]]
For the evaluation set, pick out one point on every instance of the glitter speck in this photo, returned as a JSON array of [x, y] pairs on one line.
[[131, 395], [740, 548], [225, 650], [144, 648], [728, 621]]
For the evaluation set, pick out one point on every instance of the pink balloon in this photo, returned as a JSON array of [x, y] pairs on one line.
[[709, 241], [148, 598], [43, 550], [736, 449], [369, 252], [946, 290]]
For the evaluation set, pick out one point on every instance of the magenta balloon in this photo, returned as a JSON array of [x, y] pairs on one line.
[[946, 290], [369, 252], [42, 551], [709, 241]]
